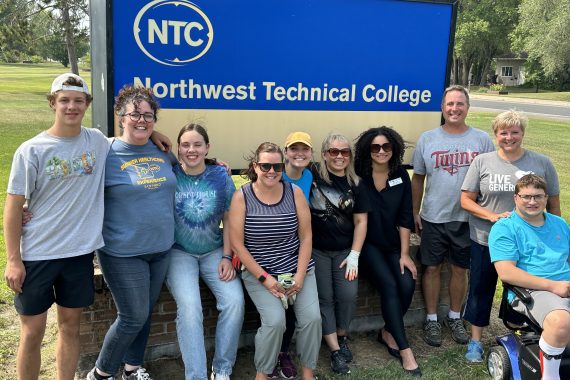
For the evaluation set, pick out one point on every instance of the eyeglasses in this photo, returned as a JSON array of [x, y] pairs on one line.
[[345, 152], [375, 148], [528, 198], [136, 116], [265, 167]]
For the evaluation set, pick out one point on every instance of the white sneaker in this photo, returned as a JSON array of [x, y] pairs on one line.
[[219, 376], [91, 375]]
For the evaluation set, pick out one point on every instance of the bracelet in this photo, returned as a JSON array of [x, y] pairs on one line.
[[227, 257]]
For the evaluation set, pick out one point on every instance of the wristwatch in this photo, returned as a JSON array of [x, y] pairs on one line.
[[262, 277]]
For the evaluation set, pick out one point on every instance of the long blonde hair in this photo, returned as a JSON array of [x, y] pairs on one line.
[[351, 176]]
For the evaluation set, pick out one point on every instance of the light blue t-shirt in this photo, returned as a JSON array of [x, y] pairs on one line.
[[139, 200], [304, 182], [201, 202], [541, 251]]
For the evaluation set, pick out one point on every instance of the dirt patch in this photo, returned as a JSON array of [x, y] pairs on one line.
[[367, 352]]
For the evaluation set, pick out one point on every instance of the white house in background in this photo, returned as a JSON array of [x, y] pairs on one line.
[[510, 69]]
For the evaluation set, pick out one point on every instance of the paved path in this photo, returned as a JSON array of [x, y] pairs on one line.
[[536, 107]]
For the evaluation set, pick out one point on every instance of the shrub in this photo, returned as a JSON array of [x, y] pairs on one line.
[[497, 87]]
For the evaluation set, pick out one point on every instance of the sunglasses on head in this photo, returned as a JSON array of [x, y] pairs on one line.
[[345, 152], [265, 167], [375, 148]]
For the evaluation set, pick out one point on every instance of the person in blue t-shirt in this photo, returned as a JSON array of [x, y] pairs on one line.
[[201, 250], [138, 230], [530, 248]]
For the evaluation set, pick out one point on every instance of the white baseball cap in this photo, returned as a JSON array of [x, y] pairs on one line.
[[58, 84]]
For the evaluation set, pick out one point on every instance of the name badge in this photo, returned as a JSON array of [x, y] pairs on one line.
[[395, 181]]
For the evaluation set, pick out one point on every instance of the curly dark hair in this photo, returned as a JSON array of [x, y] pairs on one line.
[[266, 147], [362, 159], [134, 95]]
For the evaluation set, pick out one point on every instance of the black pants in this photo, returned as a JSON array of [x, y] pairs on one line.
[[396, 289]]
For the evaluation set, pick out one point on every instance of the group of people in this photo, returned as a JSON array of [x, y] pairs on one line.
[[484, 209], [298, 231]]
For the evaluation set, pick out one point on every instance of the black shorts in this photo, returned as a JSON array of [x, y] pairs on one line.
[[68, 282], [441, 240]]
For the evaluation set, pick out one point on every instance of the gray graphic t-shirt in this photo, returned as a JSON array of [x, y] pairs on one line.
[[444, 159], [495, 179], [62, 180]]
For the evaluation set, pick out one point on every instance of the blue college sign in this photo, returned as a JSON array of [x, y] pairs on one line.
[[333, 55]]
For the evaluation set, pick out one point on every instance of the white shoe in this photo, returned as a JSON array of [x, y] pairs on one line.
[[219, 376], [91, 375]]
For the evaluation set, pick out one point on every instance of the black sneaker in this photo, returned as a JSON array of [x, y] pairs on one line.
[[139, 374], [432, 333], [344, 349], [338, 364], [458, 332]]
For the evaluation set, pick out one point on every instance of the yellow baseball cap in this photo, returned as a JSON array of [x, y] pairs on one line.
[[298, 137]]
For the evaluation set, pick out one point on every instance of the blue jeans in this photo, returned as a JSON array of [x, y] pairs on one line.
[[182, 279], [135, 284]]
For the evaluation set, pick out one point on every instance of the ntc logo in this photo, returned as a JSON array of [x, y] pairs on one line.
[[173, 32]]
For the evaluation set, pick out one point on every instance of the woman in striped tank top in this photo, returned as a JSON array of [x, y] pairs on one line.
[[270, 231]]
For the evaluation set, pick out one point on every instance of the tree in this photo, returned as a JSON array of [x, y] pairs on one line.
[[69, 13], [544, 33], [50, 28], [15, 31], [483, 27]]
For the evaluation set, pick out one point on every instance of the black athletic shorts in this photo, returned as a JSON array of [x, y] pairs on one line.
[[441, 240], [68, 282]]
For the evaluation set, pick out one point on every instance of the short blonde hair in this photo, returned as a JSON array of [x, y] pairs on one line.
[[509, 119]]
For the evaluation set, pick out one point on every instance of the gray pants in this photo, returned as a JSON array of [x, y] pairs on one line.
[[270, 334], [337, 295]]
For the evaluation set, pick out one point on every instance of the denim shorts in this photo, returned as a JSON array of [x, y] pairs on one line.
[[68, 282]]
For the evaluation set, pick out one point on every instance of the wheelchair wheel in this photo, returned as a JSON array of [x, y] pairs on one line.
[[498, 363]]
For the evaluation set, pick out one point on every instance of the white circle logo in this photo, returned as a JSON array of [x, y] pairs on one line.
[[173, 32]]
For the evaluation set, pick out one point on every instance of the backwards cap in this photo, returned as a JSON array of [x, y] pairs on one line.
[[58, 85]]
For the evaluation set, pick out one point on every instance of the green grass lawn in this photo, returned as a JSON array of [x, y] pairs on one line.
[[25, 113], [528, 93]]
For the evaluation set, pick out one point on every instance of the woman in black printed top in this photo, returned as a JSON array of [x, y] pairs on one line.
[[338, 217]]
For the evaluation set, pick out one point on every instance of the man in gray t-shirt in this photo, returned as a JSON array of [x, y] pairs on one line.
[[59, 174], [441, 159]]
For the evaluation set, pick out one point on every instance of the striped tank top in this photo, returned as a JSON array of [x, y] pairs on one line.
[[271, 231]]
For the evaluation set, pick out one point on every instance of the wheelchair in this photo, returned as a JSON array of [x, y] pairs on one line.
[[516, 355]]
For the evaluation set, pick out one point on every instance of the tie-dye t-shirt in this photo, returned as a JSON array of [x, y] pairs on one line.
[[200, 204]]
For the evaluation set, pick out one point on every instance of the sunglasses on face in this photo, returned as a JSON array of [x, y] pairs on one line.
[[375, 148], [265, 167], [334, 152]]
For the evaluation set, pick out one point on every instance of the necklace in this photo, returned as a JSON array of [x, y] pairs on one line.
[[195, 178]]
